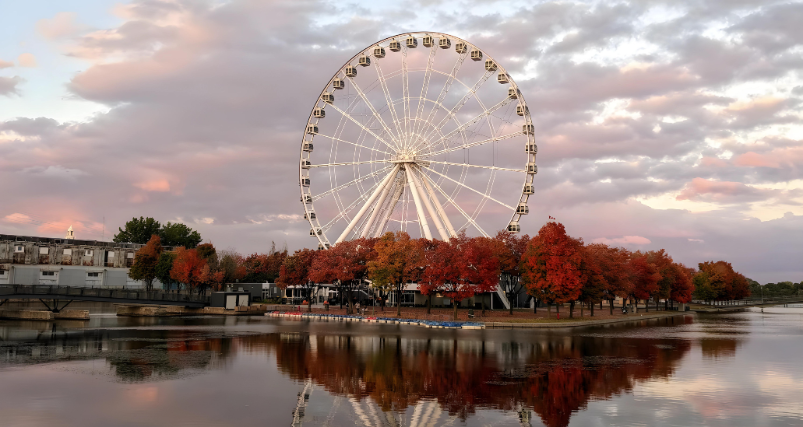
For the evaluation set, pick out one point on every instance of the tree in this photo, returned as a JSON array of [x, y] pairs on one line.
[[138, 231], [231, 264], [425, 285], [551, 265], [682, 286], [723, 283], [509, 251], [264, 268], [188, 268], [145, 262], [702, 287], [163, 267], [398, 260], [443, 271], [645, 278], [345, 265], [664, 266], [179, 235], [296, 272], [479, 265], [592, 279], [615, 267]]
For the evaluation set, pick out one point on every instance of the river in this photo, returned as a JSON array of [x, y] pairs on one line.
[[736, 369]]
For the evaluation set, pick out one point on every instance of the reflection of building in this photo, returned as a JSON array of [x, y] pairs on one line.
[[26, 260]]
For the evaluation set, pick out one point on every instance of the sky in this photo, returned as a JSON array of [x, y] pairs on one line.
[[660, 124]]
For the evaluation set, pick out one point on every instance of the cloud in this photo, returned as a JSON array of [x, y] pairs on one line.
[[719, 191], [624, 240], [8, 85], [56, 171], [5, 64], [161, 185], [61, 25], [27, 60]]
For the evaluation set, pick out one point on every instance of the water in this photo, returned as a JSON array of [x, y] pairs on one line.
[[738, 369]]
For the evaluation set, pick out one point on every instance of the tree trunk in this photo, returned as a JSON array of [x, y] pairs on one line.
[[611, 301], [582, 306], [571, 310], [600, 305], [429, 303], [591, 306], [398, 300], [482, 304], [535, 305], [548, 311], [646, 305], [454, 304], [510, 302], [557, 310]]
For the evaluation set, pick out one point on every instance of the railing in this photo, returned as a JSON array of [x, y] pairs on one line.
[[78, 293], [753, 301]]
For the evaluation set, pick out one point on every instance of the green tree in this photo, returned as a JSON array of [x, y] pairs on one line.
[[163, 267], [145, 262], [703, 289], [179, 234], [138, 231]]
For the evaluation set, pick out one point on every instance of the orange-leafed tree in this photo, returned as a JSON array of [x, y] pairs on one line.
[[614, 263], [682, 286], [721, 282], [509, 249], [210, 278], [431, 254], [145, 262], [480, 265], [188, 268], [664, 265], [295, 271], [740, 288], [592, 279], [645, 278], [398, 260], [552, 265], [345, 265]]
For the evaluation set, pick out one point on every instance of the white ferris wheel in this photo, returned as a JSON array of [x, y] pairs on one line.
[[410, 135]]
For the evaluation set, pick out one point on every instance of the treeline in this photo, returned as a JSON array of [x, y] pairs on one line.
[[202, 267], [780, 289], [552, 268]]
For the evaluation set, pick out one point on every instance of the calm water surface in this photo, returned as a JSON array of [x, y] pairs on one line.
[[739, 369]]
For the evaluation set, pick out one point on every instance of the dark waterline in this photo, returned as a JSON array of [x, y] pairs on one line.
[[738, 369]]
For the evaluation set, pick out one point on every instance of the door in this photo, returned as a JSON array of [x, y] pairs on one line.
[[231, 302]]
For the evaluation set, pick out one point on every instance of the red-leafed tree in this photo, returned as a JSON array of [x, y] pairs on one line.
[[615, 266], [188, 268], [552, 265], [295, 271], [720, 282], [145, 262], [345, 265], [432, 254], [645, 278], [509, 250], [740, 287], [443, 271], [480, 265], [593, 280], [664, 266]]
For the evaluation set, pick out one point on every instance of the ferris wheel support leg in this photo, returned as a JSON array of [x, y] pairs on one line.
[[391, 206], [428, 205], [367, 204], [367, 226], [417, 199], [438, 206]]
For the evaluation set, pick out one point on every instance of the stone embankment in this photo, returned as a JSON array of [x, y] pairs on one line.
[[44, 315], [130, 310]]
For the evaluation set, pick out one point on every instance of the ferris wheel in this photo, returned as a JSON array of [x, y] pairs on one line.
[[415, 138]]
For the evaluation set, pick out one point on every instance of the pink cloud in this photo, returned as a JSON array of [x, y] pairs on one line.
[[160, 185], [699, 187], [624, 240]]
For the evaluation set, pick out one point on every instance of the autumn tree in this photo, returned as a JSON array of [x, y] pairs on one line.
[[398, 260], [264, 268], [443, 271], [231, 264], [188, 268], [718, 281], [145, 262], [551, 265], [645, 278], [682, 286], [295, 271], [664, 266], [345, 265], [509, 250], [592, 279], [163, 267], [614, 263], [479, 265], [430, 252]]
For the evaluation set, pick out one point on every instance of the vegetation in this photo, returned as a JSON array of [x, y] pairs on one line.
[[146, 261], [140, 230]]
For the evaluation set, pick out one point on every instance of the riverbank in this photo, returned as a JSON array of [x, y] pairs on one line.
[[577, 323]]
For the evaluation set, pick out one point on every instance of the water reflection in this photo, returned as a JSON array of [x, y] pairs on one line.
[[337, 374]]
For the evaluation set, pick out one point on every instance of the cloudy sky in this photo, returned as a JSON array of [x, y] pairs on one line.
[[660, 124]]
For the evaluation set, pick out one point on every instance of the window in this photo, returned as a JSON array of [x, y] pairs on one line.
[[19, 249], [44, 251], [2, 272], [68, 252], [130, 255], [110, 254], [93, 274], [48, 273], [88, 252]]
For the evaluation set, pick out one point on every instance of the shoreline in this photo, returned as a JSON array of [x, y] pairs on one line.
[[583, 323]]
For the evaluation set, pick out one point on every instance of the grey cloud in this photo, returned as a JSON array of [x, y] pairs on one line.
[[8, 85]]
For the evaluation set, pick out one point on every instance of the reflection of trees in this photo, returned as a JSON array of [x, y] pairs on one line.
[[715, 348], [554, 378]]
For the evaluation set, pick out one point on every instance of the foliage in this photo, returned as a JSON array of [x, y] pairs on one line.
[[145, 262], [509, 250], [264, 268], [138, 230], [163, 267], [645, 277], [345, 265], [188, 268], [398, 260], [179, 235], [295, 271], [718, 281], [552, 265]]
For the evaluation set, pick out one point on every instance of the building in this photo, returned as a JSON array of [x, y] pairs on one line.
[[26, 260]]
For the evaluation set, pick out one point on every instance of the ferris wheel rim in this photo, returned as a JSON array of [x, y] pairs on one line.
[[319, 231]]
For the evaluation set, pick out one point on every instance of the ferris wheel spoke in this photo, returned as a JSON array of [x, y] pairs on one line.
[[470, 188], [462, 102], [367, 204], [364, 162], [397, 192], [474, 120], [350, 183], [383, 82], [376, 114], [478, 166], [472, 144], [405, 94], [453, 203], [357, 122], [446, 86], [424, 88], [345, 211], [353, 143]]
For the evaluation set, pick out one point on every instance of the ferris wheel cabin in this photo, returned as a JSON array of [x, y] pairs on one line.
[[444, 43]]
